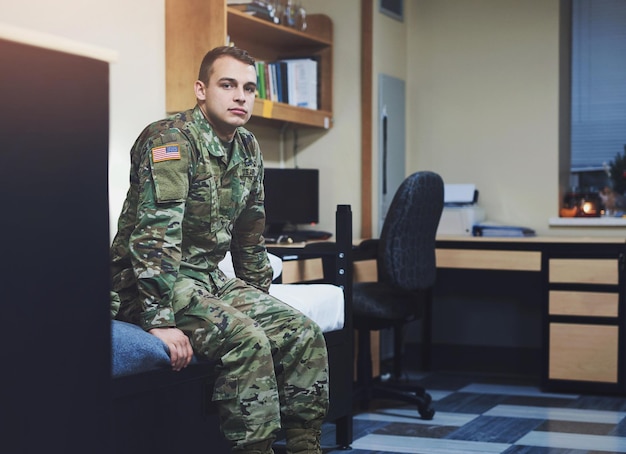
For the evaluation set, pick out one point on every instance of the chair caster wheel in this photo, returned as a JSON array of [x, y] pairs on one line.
[[427, 414]]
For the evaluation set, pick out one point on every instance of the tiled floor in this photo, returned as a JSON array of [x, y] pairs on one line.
[[491, 415]]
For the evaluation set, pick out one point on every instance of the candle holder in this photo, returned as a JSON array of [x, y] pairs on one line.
[[581, 204]]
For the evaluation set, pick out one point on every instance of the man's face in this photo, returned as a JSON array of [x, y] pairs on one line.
[[228, 98]]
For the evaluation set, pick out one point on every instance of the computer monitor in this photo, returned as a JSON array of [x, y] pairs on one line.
[[291, 198]]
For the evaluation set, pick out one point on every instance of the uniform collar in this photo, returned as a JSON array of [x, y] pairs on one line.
[[214, 144]]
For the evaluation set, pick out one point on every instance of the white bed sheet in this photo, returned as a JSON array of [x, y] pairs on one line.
[[322, 303]]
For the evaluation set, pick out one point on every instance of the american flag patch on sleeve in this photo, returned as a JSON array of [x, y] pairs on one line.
[[166, 152]]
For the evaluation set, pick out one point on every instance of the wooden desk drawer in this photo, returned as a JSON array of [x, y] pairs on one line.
[[302, 270], [583, 352], [489, 260], [365, 271], [591, 304], [584, 271]]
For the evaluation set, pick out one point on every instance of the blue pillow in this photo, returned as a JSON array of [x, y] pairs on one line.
[[134, 350]]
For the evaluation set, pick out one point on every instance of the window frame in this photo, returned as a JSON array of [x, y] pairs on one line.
[[565, 126]]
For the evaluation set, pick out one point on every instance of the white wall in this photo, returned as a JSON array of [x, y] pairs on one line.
[[135, 31], [483, 100], [337, 152], [482, 94]]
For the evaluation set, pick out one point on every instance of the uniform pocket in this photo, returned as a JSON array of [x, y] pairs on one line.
[[226, 388], [202, 208]]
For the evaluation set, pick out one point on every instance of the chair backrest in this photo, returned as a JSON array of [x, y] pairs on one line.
[[406, 254]]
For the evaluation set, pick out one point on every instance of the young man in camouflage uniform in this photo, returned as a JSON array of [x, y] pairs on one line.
[[196, 192]]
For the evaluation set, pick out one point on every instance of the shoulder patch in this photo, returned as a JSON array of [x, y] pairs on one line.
[[166, 152]]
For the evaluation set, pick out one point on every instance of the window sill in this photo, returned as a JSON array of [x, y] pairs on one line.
[[588, 222]]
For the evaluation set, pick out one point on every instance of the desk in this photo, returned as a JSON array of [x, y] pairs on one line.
[[582, 296], [578, 283]]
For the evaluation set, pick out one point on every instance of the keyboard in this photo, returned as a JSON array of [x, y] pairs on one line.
[[300, 236]]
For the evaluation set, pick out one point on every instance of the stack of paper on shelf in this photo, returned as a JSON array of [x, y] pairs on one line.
[[302, 82]]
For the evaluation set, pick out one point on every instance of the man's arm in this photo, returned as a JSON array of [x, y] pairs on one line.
[[156, 239], [248, 249], [155, 242]]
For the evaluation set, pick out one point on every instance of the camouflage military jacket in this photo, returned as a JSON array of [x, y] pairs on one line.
[[190, 200]]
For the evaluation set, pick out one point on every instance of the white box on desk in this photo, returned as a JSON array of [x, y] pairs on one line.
[[459, 220]]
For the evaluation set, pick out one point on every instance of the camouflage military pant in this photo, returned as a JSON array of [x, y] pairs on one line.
[[273, 363]]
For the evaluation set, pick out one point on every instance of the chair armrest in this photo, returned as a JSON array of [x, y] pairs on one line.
[[366, 250]]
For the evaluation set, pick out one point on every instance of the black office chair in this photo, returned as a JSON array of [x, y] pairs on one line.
[[405, 257]]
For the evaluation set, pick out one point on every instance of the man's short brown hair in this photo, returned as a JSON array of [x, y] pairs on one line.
[[212, 55]]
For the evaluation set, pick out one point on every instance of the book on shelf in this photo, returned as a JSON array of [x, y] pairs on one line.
[[274, 77], [269, 80], [260, 71], [283, 84], [501, 230]]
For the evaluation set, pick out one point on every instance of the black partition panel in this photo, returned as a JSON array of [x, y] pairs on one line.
[[55, 341]]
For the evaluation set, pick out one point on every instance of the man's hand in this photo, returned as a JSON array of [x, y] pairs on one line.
[[179, 345]]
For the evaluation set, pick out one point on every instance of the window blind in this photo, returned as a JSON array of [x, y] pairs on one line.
[[598, 123]]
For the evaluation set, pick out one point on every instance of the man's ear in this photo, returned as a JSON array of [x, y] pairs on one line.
[[200, 90]]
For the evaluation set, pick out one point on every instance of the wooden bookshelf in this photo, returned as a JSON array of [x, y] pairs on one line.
[[195, 26]]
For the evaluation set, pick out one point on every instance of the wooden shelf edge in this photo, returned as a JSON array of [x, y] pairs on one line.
[[281, 112], [244, 20]]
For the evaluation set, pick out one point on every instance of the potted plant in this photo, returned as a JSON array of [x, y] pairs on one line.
[[613, 197]]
